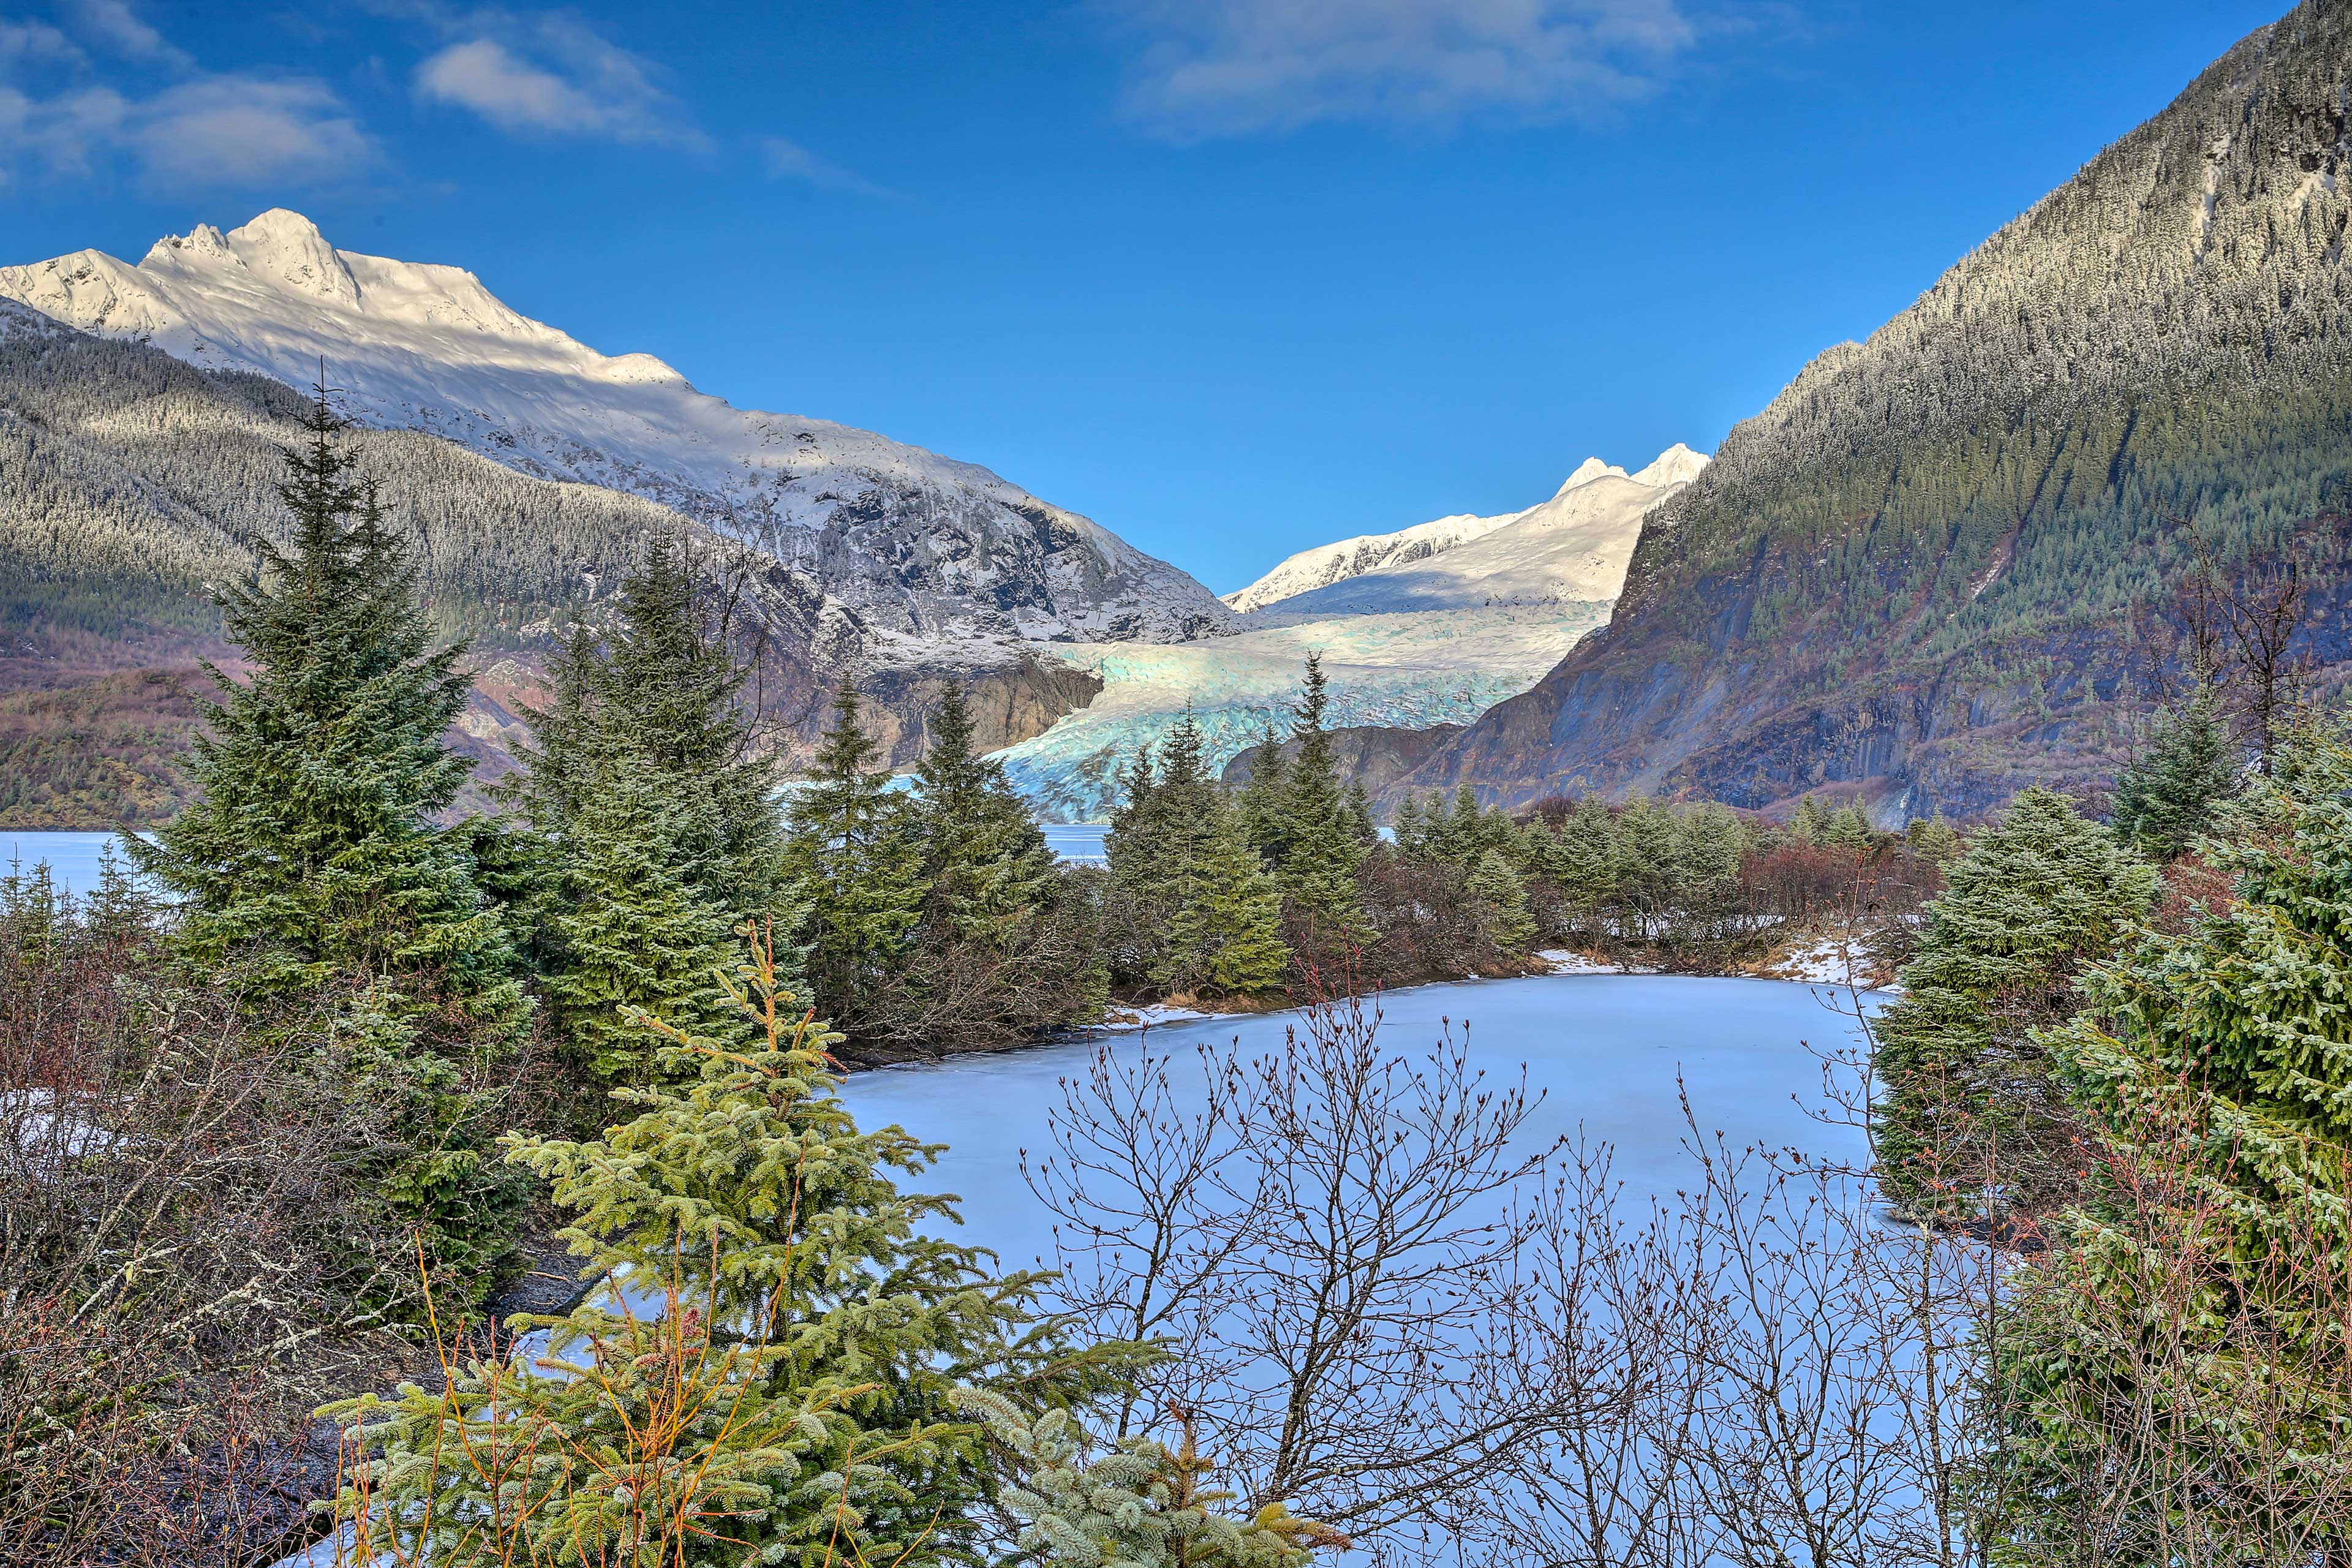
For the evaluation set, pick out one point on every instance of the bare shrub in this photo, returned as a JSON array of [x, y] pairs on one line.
[[181, 1281]]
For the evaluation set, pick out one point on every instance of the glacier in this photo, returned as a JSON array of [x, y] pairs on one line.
[[1430, 625]]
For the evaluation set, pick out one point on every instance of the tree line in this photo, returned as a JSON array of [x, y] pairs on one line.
[[271, 1143]]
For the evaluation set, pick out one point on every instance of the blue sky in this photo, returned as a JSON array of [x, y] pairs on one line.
[[1232, 276]]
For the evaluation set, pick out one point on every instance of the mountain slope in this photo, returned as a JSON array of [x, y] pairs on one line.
[[130, 479], [1328, 563], [1910, 576], [1572, 548], [917, 543]]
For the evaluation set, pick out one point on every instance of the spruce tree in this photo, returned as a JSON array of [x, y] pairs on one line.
[[1141, 1505], [633, 935], [1264, 801], [987, 860], [311, 866], [1224, 937], [662, 699], [1498, 886], [855, 855], [2168, 794], [2215, 1067], [1965, 1083], [1320, 852], [795, 1401]]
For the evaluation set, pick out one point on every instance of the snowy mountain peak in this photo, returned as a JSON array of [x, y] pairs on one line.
[[921, 544], [1573, 546], [1677, 465], [287, 247], [1586, 471]]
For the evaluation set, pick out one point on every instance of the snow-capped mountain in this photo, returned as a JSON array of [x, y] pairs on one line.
[[1572, 547], [922, 545]]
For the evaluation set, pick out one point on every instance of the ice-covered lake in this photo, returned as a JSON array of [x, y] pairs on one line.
[[73, 858], [1607, 1051]]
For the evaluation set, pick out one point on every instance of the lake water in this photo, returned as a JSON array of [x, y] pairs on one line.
[[1606, 1050], [73, 857]]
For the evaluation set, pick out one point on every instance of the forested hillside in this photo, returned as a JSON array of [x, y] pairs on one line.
[[128, 480], [1918, 573]]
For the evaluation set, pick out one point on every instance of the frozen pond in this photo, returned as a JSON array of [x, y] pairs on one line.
[[1606, 1051], [72, 857]]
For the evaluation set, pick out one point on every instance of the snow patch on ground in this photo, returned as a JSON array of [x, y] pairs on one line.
[[1829, 960], [1158, 1013]]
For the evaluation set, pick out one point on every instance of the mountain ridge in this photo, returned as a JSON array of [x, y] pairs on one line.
[[1910, 577], [931, 547]]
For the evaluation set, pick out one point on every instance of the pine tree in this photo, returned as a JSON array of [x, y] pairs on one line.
[[632, 934], [1319, 853], [311, 865], [986, 859], [855, 855], [2035, 900], [1142, 1505], [662, 699], [1810, 825], [1934, 840], [1008, 946], [2168, 792], [2215, 1066], [1506, 897], [1224, 937], [821, 1426], [1264, 804]]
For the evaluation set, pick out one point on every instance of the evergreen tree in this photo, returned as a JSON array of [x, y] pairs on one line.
[[987, 860], [662, 699], [1142, 1505], [2216, 1067], [1965, 1081], [1506, 897], [1224, 937], [1934, 840], [1810, 825], [856, 853], [796, 1400], [1318, 850], [1264, 802], [632, 934], [2164, 798], [311, 865]]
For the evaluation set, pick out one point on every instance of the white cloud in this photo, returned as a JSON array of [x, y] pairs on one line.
[[118, 25], [1213, 67], [551, 75], [234, 131], [788, 160], [210, 131]]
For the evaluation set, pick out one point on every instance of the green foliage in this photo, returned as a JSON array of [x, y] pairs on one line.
[[1141, 1505], [2165, 796], [855, 855], [631, 932], [311, 866], [796, 1394], [987, 861], [1505, 897], [1966, 1083], [1316, 847], [2216, 1067], [1224, 937]]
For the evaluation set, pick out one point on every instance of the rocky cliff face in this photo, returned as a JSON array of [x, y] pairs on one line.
[[1913, 572], [1374, 755]]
